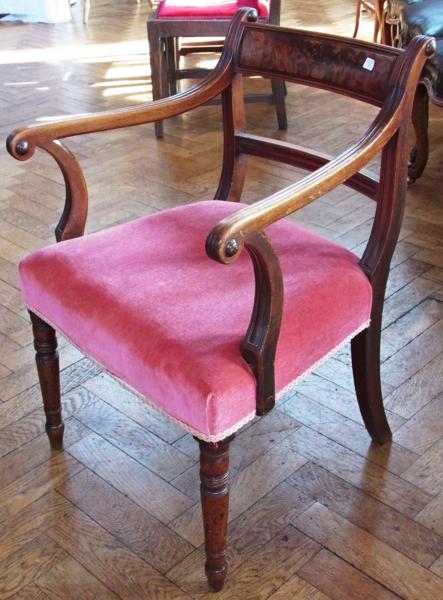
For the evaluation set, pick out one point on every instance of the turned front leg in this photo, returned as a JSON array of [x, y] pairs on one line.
[[45, 343], [214, 472]]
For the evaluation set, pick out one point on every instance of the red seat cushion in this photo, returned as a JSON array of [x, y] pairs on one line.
[[145, 302], [208, 9]]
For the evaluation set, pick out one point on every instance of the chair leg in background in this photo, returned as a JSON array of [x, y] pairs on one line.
[[86, 9], [45, 343], [214, 472], [365, 349], [171, 57], [357, 18], [420, 119], [279, 92], [156, 59]]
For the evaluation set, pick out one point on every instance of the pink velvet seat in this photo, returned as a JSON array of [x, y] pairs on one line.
[[145, 302], [204, 9]]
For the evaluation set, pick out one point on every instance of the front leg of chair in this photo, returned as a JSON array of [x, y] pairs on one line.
[[420, 118], [45, 343], [365, 348], [214, 472]]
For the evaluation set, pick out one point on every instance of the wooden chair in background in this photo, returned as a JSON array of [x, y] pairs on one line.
[[377, 9], [87, 9], [174, 20], [206, 338]]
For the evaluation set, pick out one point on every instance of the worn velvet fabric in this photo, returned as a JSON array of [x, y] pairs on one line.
[[209, 9], [145, 301]]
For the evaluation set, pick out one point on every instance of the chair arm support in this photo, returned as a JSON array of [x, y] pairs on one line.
[[260, 343], [227, 238]]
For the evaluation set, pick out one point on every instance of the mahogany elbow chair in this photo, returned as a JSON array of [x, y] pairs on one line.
[[143, 308], [173, 20]]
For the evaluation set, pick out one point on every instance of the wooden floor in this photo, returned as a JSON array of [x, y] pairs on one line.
[[316, 511]]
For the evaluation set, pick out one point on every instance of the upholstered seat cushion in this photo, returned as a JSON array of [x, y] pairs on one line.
[[209, 9], [145, 302]]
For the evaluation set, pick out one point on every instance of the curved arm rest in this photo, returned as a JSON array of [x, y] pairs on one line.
[[21, 143], [227, 238]]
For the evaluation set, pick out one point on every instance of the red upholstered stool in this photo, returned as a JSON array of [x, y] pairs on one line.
[[177, 343], [174, 20], [214, 9]]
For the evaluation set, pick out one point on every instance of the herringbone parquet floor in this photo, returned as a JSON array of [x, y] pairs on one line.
[[316, 511]]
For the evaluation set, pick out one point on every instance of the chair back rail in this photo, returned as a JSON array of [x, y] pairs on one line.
[[364, 181], [358, 69]]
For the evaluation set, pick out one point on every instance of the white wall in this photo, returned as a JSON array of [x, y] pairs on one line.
[[46, 11]]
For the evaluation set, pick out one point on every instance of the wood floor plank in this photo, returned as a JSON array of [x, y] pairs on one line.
[[432, 515], [35, 484], [68, 579], [122, 571], [367, 476], [415, 393], [32, 521], [404, 273], [270, 567], [145, 488], [382, 521], [297, 589], [126, 521], [377, 560], [425, 428], [426, 472], [437, 567], [407, 298], [28, 563], [341, 580], [23, 457], [30, 592], [414, 323], [414, 356], [348, 433], [109, 390], [135, 440]]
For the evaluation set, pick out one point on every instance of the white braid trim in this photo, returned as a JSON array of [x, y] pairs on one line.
[[198, 434]]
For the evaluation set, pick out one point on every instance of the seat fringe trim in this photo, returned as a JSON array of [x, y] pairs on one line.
[[198, 434]]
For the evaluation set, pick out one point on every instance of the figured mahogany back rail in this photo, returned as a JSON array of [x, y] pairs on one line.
[[379, 75]]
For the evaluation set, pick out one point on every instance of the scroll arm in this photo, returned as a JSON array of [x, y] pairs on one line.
[[73, 220]]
